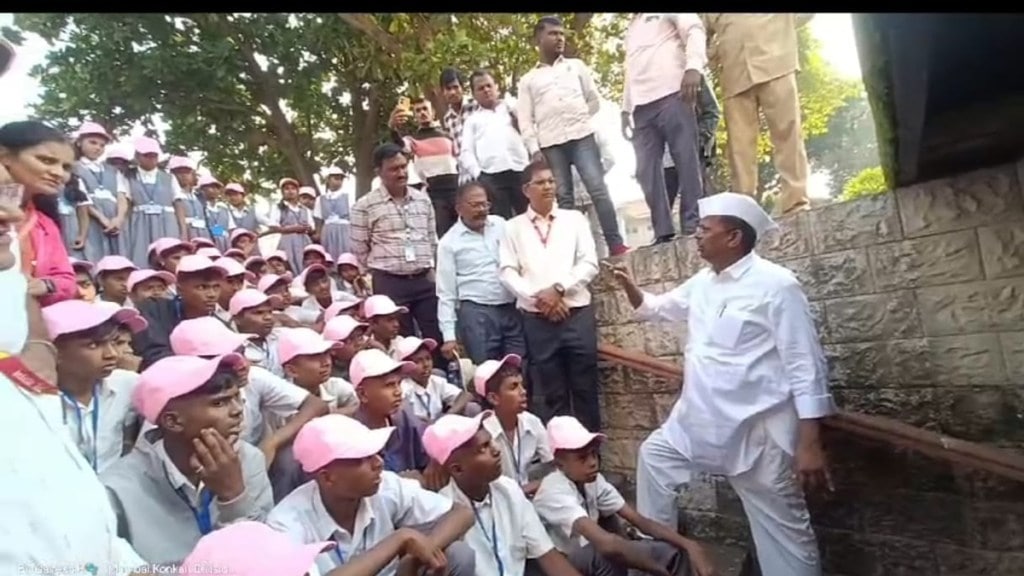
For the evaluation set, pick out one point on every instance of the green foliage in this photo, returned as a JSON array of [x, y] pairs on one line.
[[869, 182], [847, 147]]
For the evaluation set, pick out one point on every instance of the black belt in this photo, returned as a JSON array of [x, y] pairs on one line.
[[418, 274]]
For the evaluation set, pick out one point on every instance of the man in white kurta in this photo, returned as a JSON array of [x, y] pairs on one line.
[[754, 388]]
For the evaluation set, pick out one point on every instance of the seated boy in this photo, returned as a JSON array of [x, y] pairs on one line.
[[349, 337], [84, 280], [573, 498], [252, 311], [519, 435], [382, 314], [96, 397], [306, 357], [429, 395], [144, 284], [277, 287], [197, 476], [507, 532], [316, 284], [235, 279], [112, 273], [344, 308], [355, 503]]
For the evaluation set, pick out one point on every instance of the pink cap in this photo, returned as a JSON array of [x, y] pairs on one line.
[[371, 363], [209, 252], [232, 267], [319, 250], [325, 439], [201, 242], [145, 145], [300, 342], [339, 328], [339, 306], [234, 252], [268, 281], [253, 260], [196, 263], [234, 187], [121, 151], [77, 264], [238, 233], [175, 376], [92, 129], [335, 171], [278, 254], [250, 548], [69, 316], [138, 276], [180, 162], [488, 368], [245, 299], [161, 245], [381, 305], [566, 433], [309, 270], [283, 181], [208, 180], [410, 344], [450, 432], [205, 336], [349, 259], [113, 263], [307, 191]]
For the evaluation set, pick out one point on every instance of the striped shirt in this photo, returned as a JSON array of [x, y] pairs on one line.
[[434, 152], [382, 227]]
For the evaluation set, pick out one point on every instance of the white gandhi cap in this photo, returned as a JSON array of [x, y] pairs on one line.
[[738, 206]]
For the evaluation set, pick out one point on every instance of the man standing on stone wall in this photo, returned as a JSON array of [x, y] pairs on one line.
[[754, 388], [757, 66]]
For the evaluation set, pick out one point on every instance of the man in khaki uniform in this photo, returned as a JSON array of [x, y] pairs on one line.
[[757, 66]]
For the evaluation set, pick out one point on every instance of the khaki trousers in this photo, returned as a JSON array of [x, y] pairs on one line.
[[778, 100]]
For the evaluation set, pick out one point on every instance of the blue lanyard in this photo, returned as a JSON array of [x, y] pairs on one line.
[[341, 555], [516, 453], [426, 404], [201, 514], [94, 462], [493, 539]]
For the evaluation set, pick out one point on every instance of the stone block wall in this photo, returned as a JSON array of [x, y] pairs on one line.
[[919, 298]]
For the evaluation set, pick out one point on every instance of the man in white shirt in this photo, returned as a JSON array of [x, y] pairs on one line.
[[557, 100], [547, 258], [755, 388], [492, 149]]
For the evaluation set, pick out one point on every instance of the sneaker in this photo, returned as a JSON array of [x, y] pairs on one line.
[[618, 250]]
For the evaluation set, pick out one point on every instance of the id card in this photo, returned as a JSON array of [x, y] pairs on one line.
[[410, 252], [197, 223], [103, 193], [152, 210], [65, 209], [218, 230]]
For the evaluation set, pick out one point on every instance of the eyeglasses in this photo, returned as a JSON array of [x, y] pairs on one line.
[[484, 205], [544, 183]]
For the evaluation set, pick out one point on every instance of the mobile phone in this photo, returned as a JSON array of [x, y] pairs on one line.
[[404, 103]]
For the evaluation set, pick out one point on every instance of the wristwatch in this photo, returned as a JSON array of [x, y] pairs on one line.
[[49, 285], [560, 289]]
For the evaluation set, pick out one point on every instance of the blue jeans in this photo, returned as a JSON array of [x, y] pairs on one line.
[[586, 157], [490, 332]]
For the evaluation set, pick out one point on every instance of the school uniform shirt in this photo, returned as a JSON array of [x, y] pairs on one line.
[[110, 411], [264, 353], [154, 343], [559, 504], [506, 527], [398, 503], [526, 449], [55, 510], [310, 310], [428, 402], [224, 316], [338, 393], [270, 395], [404, 451], [391, 346], [156, 504]]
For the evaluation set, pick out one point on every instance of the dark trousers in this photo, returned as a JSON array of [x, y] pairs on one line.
[[506, 193], [417, 293], [563, 366], [586, 157], [490, 332], [672, 184], [441, 190], [668, 120]]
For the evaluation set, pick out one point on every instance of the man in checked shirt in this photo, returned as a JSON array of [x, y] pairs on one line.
[[459, 108], [394, 236]]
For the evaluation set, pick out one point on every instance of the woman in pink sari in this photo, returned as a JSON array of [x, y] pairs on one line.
[[39, 159]]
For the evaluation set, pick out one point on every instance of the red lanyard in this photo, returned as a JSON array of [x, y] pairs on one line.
[[17, 372], [543, 237]]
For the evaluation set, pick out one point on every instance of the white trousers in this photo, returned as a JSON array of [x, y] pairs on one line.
[[771, 496]]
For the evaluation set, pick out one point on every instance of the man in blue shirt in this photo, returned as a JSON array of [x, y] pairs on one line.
[[474, 307]]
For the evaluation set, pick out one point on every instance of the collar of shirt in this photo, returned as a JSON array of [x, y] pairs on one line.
[[559, 60], [493, 425], [93, 165], [453, 492], [737, 269], [462, 229], [332, 194], [164, 462], [533, 216], [327, 529]]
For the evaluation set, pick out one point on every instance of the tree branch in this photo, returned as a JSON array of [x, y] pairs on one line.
[[368, 25]]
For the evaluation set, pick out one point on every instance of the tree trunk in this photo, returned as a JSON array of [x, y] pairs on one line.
[[577, 28]]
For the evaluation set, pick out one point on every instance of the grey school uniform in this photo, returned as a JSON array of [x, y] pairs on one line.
[[100, 182], [246, 218], [152, 217], [218, 222], [293, 244], [195, 214], [155, 503], [335, 234], [68, 213]]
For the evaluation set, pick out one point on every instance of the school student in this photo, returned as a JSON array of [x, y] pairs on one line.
[[293, 221], [344, 308], [112, 274], [188, 205], [356, 503], [351, 277], [235, 278], [126, 359], [279, 287], [152, 197], [107, 190], [252, 311], [278, 263], [519, 435], [316, 284], [383, 315], [198, 283], [349, 337], [84, 280], [429, 395], [246, 219], [331, 213], [244, 240], [196, 476], [506, 533], [218, 216], [96, 397], [306, 358], [145, 284], [573, 498], [165, 253]]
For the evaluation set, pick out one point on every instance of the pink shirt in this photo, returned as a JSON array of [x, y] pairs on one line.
[[51, 260], [659, 49]]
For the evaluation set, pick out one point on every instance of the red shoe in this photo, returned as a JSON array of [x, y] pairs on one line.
[[618, 250]]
